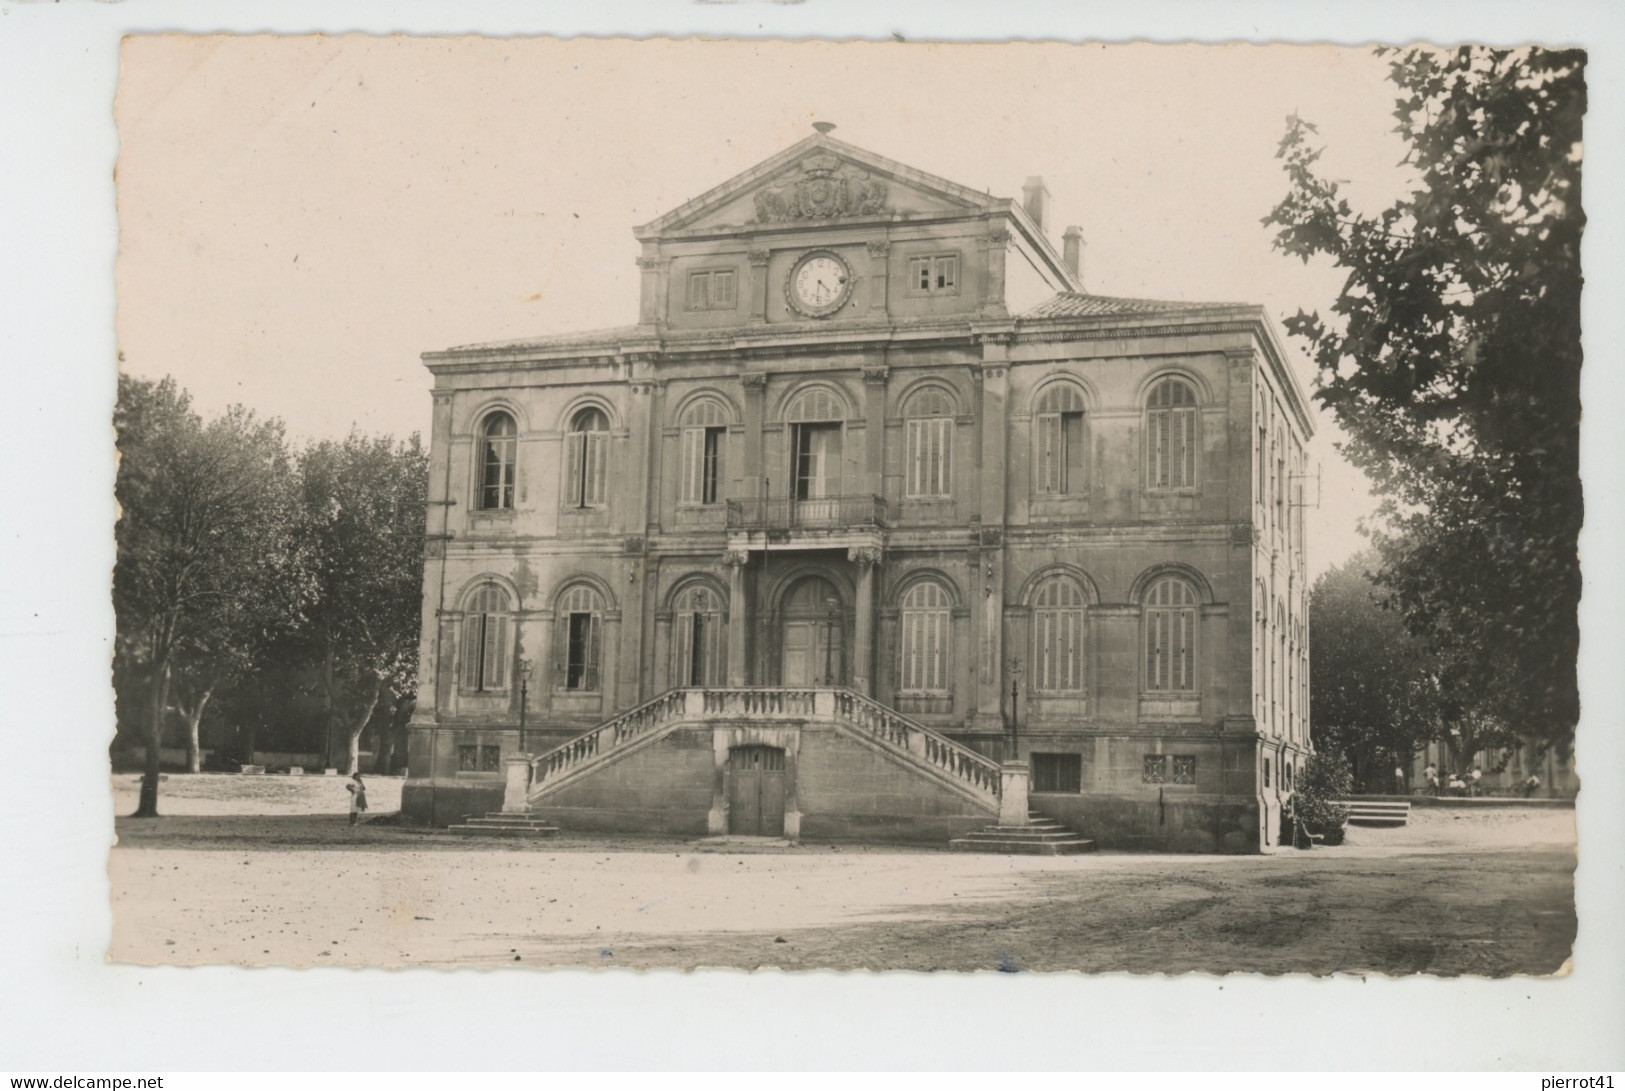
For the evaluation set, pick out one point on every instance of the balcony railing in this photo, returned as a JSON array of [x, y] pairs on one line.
[[825, 513]]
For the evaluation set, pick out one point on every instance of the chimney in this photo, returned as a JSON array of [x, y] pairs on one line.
[[1035, 199], [1072, 251]]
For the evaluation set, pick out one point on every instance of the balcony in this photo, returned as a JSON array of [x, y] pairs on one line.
[[828, 522]]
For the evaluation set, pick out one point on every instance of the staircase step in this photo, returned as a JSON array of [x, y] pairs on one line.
[[1016, 846], [471, 830], [1021, 833], [504, 820]]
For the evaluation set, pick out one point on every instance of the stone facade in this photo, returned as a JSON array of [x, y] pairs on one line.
[[871, 432]]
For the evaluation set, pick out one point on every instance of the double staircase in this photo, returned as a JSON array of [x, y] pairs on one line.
[[930, 754]]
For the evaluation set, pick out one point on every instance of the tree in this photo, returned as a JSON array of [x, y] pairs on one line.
[[361, 525], [197, 543], [1375, 686], [1452, 361]]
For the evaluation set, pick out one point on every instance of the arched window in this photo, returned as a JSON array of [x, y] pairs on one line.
[[498, 440], [1058, 430], [1170, 637], [705, 435], [929, 422], [586, 466], [701, 637], [1057, 637], [1171, 435], [485, 640], [926, 618], [580, 638]]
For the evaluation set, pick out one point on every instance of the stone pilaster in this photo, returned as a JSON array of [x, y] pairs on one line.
[[863, 643], [879, 257], [874, 428], [736, 560]]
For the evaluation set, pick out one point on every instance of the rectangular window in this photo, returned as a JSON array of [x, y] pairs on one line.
[[468, 759], [925, 651], [1057, 772], [930, 442], [1184, 769], [1266, 772], [701, 471], [1155, 769], [581, 665], [712, 290], [818, 461], [490, 759], [485, 652], [1170, 650], [1060, 453], [934, 274]]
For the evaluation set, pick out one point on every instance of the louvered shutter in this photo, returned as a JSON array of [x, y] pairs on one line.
[[944, 451], [1159, 448], [597, 467], [1188, 464], [1072, 460], [496, 652], [1153, 660], [471, 651], [685, 650], [561, 651], [574, 447], [592, 642], [916, 458], [693, 464], [1049, 442], [1183, 650], [1177, 446]]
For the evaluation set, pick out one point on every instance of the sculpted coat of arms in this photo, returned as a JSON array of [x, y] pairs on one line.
[[822, 191]]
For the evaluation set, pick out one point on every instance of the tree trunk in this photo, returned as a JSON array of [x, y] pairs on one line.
[[158, 701], [194, 717], [356, 727]]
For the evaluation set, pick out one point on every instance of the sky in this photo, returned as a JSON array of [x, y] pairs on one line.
[[300, 217]]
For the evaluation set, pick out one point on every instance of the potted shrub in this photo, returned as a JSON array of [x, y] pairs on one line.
[[1323, 784]]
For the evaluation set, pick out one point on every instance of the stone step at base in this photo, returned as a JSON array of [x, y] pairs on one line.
[[492, 830], [1021, 846], [1023, 833], [1375, 820], [505, 820]]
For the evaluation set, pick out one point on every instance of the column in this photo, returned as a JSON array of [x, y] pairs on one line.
[[736, 559], [874, 426], [865, 557], [992, 414]]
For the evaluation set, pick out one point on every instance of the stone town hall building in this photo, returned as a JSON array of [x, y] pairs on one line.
[[873, 497]]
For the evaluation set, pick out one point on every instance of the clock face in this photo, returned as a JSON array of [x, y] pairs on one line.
[[819, 284]]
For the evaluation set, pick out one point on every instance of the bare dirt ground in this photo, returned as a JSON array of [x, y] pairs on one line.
[[267, 871]]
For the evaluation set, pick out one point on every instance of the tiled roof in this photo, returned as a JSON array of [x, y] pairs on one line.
[[1083, 305]]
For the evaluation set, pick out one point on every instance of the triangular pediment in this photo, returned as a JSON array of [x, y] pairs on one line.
[[820, 179]]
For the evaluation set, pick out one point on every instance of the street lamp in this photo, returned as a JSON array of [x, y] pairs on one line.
[[1014, 669], [829, 639], [524, 695]]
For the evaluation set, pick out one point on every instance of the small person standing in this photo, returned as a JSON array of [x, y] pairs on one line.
[[358, 798], [1399, 779], [1432, 775], [1472, 781]]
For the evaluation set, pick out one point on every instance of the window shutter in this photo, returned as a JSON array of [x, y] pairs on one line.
[[1159, 448], [1176, 445], [471, 651], [938, 646], [945, 440], [596, 468], [1153, 623], [1185, 648], [916, 457], [1188, 420], [592, 681], [1072, 443], [574, 446], [684, 672], [1072, 671], [561, 651], [692, 458], [1049, 440], [496, 652]]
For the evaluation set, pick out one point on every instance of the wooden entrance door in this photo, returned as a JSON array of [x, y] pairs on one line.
[[812, 653], [756, 791]]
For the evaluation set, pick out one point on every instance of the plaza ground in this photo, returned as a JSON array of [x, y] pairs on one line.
[[267, 871]]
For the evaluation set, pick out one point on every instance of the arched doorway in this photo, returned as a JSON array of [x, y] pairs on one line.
[[812, 644]]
